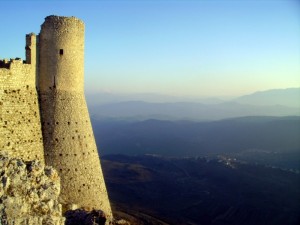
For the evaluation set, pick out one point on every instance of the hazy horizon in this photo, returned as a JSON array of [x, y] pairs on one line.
[[221, 97], [274, 96], [176, 48]]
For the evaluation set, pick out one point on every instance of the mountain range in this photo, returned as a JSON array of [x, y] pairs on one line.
[[281, 102], [266, 140], [286, 97], [169, 160]]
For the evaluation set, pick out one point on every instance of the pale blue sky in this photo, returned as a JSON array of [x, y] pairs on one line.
[[189, 48]]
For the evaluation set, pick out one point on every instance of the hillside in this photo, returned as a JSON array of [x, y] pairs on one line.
[[274, 139], [200, 191]]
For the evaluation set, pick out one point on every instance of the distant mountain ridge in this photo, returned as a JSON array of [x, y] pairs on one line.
[[268, 103], [187, 138], [102, 98], [137, 110], [286, 97]]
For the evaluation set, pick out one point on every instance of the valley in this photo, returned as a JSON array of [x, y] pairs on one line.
[[160, 190]]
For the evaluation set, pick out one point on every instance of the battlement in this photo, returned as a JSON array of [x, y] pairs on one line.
[[16, 74], [63, 19], [11, 63], [31, 53]]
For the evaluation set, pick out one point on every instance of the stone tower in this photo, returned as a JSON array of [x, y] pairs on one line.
[[69, 142]]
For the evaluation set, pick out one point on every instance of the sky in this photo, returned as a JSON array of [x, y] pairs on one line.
[[172, 47]]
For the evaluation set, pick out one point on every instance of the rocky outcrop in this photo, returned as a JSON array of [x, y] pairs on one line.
[[28, 193], [94, 217], [82, 217]]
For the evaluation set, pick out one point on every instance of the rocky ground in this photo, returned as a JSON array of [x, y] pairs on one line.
[[29, 193], [29, 196]]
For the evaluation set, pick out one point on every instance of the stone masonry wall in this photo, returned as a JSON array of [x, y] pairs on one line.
[[72, 151], [20, 127]]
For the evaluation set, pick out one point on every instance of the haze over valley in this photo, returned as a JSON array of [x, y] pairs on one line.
[[280, 102], [202, 161]]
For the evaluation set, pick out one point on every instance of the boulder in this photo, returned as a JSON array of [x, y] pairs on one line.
[[29, 193]]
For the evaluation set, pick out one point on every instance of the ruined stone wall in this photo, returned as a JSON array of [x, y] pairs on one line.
[[68, 136], [20, 127]]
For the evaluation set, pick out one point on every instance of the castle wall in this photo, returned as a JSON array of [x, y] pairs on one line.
[[68, 136], [20, 129]]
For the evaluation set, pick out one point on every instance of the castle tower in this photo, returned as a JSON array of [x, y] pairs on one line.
[[68, 136]]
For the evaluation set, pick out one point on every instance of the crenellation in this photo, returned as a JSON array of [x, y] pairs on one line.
[[11, 63], [4, 64], [44, 114]]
